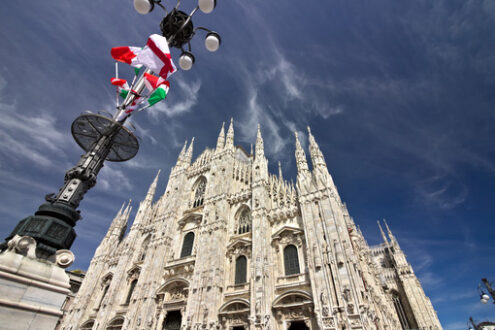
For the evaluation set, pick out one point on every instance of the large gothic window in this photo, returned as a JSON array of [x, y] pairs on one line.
[[106, 285], [291, 260], [199, 193], [187, 246], [88, 325], [244, 222], [240, 270], [131, 290], [116, 324], [400, 310], [144, 248]]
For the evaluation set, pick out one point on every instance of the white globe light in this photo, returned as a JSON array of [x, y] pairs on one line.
[[484, 298], [186, 60], [212, 41], [143, 6], [207, 6]]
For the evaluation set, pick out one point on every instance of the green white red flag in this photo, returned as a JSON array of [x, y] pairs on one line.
[[122, 86], [160, 93], [158, 88]]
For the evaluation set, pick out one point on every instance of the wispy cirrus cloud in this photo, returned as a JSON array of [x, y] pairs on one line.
[[186, 96]]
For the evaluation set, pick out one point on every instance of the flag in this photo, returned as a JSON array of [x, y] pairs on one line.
[[130, 108], [126, 54], [122, 86], [155, 56], [160, 93], [152, 82]]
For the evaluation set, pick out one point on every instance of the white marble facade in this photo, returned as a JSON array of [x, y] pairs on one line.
[[231, 246]]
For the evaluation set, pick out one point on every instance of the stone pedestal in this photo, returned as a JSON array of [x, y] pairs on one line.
[[32, 290]]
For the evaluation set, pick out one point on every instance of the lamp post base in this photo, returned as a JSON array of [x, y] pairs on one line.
[[51, 226], [32, 289]]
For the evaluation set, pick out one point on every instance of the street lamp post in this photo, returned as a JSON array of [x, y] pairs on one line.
[[103, 138], [483, 296]]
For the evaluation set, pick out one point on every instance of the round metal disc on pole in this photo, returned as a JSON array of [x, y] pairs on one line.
[[88, 128]]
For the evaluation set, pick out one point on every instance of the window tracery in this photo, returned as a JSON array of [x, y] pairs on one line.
[[131, 290], [144, 248], [199, 193], [88, 325], [116, 324], [244, 222], [105, 284]]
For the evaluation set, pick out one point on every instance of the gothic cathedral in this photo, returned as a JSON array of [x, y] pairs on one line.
[[231, 246]]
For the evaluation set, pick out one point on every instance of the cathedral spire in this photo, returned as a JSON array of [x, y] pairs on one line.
[[182, 154], [280, 176], [221, 139], [229, 142], [389, 232], [317, 158], [301, 161], [259, 149], [385, 240], [119, 223], [189, 153], [152, 188]]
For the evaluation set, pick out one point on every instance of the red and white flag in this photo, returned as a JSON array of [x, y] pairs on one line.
[[155, 56], [152, 82], [126, 54]]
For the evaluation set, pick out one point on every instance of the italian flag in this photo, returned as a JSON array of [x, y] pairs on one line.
[[160, 93], [157, 86], [152, 82], [122, 86]]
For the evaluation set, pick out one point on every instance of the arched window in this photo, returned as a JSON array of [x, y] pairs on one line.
[[199, 193], [187, 246], [105, 285], [400, 310], [88, 325], [131, 290], [116, 324], [144, 248], [240, 270], [244, 222], [291, 260]]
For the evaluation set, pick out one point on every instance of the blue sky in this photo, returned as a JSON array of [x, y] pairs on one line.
[[399, 94]]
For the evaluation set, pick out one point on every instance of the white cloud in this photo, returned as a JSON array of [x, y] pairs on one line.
[[30, 137], [111, 179], [188, 100]]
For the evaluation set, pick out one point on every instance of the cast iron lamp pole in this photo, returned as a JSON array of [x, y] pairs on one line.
[[104, 138], [483, 296]]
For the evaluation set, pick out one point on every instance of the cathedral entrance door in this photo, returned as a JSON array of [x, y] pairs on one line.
[[173, 321], [238, 328], [298, 325]]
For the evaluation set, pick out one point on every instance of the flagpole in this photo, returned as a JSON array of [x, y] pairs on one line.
[[131, 96], [116, 88]]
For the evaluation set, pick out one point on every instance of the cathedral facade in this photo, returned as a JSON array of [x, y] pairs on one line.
[[231, 246]]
